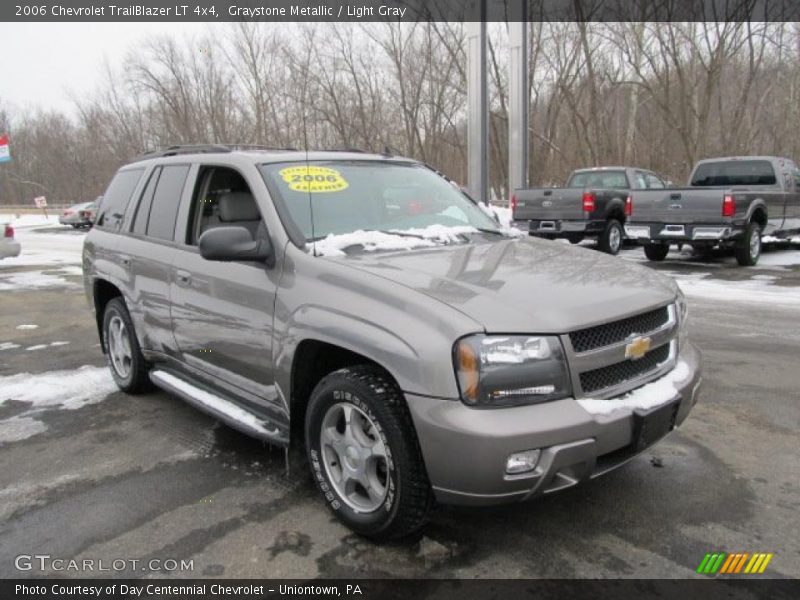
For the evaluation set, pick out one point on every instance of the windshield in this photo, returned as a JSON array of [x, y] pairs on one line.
[[734, 172], [345, 197], [598, 180]]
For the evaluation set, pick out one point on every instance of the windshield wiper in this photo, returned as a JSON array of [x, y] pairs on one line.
[[494, 231]]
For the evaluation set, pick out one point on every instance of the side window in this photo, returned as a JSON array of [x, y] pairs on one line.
[[166, 200], [143, 210], [796, 174], [640, 180], [654, 183], [115, 200], [222, 197]]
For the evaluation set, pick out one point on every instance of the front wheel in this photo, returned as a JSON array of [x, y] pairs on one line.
[[364, 454], [748, 249], [611, 238], [128, 367], [656, 252]]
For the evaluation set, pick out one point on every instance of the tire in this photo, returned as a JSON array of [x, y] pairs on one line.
[[401, 495], [574, 238], [128, 366], [748, 249], [611, 238], [656, 252]]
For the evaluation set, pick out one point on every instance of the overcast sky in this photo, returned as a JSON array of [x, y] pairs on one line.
[[42, 63]]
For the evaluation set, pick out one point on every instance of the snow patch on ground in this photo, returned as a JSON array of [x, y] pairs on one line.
[[36, 347], [67, 390], [756, 291], [8, 346], [648, 396], [406, 239], [27, 326], [31, 280], [43, 248]]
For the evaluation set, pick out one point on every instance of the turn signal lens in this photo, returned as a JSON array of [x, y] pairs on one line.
[[468, 375]]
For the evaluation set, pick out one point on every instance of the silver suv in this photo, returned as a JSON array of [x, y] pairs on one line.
[[363, 307]]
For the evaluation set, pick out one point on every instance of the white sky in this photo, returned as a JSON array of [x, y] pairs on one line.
[[41, 63]]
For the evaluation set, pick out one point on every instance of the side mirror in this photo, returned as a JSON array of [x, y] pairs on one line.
[[234, 243]]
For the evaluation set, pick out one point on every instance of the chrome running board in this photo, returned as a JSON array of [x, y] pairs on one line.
[[217, 406]]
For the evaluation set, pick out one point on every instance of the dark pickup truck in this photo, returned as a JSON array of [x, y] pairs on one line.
[[730, 202], [592, 204]]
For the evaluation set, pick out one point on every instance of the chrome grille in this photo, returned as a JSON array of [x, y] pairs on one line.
[[616, 374], [618, 331]]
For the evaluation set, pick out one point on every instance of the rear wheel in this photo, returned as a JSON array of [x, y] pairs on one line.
[[611, 238], [748, 249], [128, 367], [656, 252], [364, 454]]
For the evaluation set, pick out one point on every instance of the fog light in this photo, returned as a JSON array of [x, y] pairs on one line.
[[522, 462]]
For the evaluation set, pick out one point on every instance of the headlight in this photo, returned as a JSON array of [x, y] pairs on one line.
[[510, 370]]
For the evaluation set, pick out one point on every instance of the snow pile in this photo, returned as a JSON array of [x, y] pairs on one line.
[[29, 221], [503, 216], [406, 239], [31, 280], [53, 246], [756, 291], [648, 396], [67, 390]]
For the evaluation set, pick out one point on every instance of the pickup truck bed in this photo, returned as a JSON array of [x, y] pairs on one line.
[[733, 215]]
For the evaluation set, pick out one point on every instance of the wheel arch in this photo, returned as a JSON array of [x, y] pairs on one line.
[[103, 291]]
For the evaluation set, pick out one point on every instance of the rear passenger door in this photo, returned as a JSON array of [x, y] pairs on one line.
[[147, 253], [222, 311]]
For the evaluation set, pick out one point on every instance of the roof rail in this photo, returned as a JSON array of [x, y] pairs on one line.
[[182, 149], [204, 149], [343, 149]]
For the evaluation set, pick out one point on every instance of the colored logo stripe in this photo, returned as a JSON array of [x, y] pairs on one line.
[[724, 563]]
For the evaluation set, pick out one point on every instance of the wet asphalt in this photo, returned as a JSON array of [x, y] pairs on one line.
[[148, 477]]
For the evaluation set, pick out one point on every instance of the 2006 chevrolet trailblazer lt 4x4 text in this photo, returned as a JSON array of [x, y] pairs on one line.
[[362, 306]]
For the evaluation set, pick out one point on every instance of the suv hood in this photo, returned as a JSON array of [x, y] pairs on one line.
[[526, 284]]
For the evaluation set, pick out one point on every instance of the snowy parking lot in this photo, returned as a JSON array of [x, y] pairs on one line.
[[88, 472]]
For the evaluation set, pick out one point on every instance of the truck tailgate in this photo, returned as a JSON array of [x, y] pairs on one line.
[[549, 204], [678, 206]]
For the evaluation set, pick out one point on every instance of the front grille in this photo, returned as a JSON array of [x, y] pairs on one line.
[[618, 331], [627, 370]]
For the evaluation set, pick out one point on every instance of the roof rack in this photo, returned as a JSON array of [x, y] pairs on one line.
[[204, 149]]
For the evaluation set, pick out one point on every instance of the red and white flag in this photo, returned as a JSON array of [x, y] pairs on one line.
[[5, 153]]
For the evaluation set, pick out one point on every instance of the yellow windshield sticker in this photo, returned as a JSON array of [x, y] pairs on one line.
[[315, 180]]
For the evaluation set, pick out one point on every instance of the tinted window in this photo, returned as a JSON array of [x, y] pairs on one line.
[[734, 172], [116, 198], [324, 198], [166, 201], [143, 211], [599, 180]]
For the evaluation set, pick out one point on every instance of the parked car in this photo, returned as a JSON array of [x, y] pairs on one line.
[[592, 204], [9, 247], [362, 308], [730, 203], [79, 215]]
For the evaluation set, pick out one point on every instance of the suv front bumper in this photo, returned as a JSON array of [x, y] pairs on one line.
[[465, 449]]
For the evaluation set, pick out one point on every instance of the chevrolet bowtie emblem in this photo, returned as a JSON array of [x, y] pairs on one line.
[[637, 348]]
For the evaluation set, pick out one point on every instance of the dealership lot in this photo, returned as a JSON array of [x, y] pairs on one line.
[[89, 473]]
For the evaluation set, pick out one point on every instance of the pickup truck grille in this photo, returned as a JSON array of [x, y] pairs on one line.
[[627, 370], [618, 331]]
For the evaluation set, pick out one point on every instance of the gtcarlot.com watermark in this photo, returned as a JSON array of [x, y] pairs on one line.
[[49, 563]]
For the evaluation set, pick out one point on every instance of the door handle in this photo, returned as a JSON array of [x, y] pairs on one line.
[[183, 277]]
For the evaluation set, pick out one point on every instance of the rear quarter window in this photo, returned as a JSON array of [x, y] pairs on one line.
[[734, 172], [166, 201], [115, 200]]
